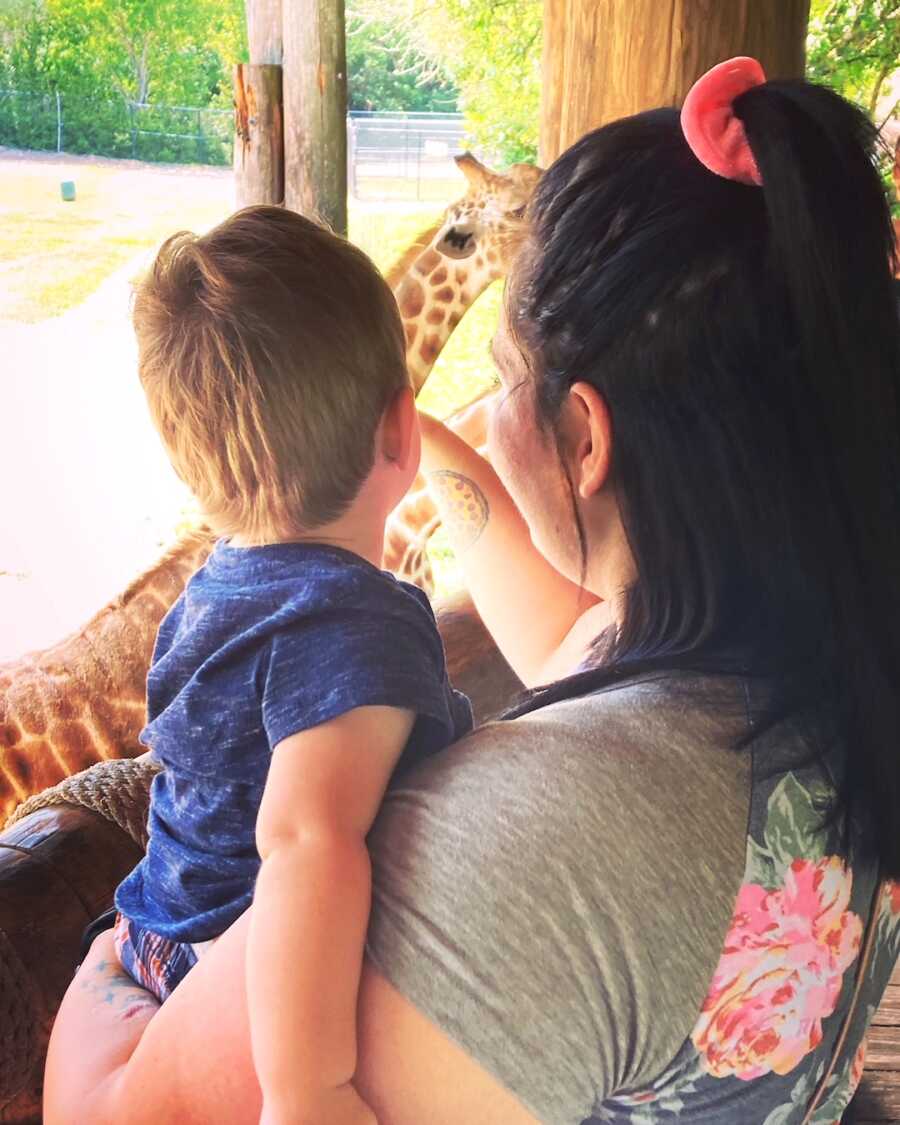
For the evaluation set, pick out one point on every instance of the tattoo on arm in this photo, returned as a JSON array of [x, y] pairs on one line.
[[462, 505]]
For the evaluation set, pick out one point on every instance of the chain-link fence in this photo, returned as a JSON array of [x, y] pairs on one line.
[[390, 155], [403, 155], [170, 134]]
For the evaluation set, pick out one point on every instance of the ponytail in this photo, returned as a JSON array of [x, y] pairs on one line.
[[831, 240], [747, 342]]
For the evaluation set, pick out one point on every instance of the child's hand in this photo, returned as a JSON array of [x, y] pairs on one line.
[[341, 1106]]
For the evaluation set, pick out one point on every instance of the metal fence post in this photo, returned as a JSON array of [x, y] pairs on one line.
[[351, 157], [58, 122], [201, 137]]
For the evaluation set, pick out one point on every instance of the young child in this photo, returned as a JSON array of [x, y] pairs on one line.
[[293, 676]]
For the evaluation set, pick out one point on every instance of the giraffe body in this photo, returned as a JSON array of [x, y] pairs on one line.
[[83, 700]]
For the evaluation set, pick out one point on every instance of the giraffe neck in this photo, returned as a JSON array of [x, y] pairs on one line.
[[119, 632], [433, 293]]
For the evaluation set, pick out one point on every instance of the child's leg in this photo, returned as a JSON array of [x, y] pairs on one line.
[[79, 1059]]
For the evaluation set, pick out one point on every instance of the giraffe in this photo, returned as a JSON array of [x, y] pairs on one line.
[[453, 262], [84, 699]]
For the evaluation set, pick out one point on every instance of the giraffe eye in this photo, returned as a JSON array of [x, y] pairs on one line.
[[519, 212]]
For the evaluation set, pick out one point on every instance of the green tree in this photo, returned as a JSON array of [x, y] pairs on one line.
[[166, 51], [491, 49], [385, 74], [854, 47]]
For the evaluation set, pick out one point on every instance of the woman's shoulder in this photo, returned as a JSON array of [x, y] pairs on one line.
[[669, 741]]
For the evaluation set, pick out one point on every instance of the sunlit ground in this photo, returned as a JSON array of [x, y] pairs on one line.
[[88, 498]]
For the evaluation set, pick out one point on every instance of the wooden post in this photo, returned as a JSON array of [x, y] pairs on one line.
[[264, 38], [258, 112], [605, 59], [315, 110], [258, 135]]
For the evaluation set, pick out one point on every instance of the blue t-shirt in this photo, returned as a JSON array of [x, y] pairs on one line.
[[265, 642]]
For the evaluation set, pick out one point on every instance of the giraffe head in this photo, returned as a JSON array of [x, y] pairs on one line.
[[487, 221], [471, 246]]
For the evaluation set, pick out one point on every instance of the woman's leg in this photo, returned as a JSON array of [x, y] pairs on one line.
[[100, 1023], [115, 1055]]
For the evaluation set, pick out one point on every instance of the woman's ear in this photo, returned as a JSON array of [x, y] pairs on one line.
[[590, 426], [400, 442]]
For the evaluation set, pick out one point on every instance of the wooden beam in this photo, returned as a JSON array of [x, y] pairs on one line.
[[258, 135], [605, 59], [258, 110], [315, 110], [264, 39]]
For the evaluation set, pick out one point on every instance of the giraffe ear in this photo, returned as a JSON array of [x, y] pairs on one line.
[[525, 176], [472, 168]]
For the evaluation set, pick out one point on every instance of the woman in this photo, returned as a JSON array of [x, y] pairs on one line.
[[655, 890]]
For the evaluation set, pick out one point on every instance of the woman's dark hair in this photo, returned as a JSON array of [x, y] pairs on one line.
[[747, 344]]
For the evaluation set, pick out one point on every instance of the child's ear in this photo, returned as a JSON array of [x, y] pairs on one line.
[[400, 431]]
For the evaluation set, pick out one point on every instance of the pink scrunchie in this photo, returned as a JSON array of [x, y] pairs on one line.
[[716, 136]]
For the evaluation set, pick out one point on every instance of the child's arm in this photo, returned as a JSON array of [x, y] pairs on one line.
[[311, 910], [541, 622]]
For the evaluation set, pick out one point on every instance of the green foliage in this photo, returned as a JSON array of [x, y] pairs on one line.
[[176, 52], [390, 76], [102, 57], [492, 51], [854, 47]]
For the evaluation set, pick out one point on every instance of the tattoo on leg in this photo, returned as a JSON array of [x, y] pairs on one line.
[[462, 504], [109, 984]]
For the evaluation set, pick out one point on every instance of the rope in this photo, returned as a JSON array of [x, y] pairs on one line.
[[118, 790]]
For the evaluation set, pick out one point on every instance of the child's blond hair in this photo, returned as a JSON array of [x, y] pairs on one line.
[[269, 349]]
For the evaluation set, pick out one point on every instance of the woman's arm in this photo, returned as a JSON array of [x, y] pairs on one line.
[[529, 608], [311, 909]]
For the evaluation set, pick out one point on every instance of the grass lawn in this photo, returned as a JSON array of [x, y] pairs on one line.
[[54, 254]]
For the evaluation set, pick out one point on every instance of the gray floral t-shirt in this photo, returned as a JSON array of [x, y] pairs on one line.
[[626, 920]]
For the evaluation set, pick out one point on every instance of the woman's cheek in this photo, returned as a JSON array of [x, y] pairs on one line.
[[518, 455], [528, 464], [506, 436]]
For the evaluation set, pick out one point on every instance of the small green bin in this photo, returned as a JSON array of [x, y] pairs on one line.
[[67, 188]]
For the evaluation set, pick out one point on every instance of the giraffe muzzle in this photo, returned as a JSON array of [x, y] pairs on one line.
[[458, 241]]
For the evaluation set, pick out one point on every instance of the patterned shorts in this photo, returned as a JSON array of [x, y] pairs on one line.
[[155, 963]]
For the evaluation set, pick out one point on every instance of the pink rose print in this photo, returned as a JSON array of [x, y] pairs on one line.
[[892, 895], [781, 972]]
